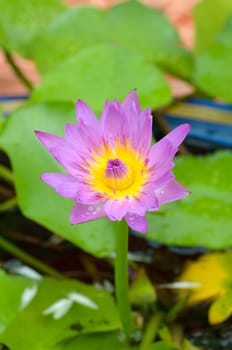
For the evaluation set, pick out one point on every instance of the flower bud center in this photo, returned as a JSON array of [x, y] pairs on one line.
[[117, 174]]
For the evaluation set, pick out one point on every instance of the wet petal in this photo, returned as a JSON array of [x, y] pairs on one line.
[[172, 191], [88, 196], [149, 200], [116, 209], [135, 206], [82, 213], [163, 179], [136, 222]]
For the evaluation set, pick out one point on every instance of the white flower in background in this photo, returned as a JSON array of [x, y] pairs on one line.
[[62, 306], [59, 308], [82, 299], [16, 267], [28, 295]]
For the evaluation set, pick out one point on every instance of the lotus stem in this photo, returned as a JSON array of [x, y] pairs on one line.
[[121, 280]]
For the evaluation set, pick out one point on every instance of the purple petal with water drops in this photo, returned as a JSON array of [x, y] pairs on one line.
[[83, 213], [115, 209], [88, 196], [172, 191], [136, 222]]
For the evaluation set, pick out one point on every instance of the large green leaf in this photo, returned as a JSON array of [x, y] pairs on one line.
[[98, 341], [104, 72], [29, 160], [213, 66], [33, 329], [161, 345], [205, 217], [21, 20], [130, 25], [137, 27], [210, 16], [10, 301], [77, 28]]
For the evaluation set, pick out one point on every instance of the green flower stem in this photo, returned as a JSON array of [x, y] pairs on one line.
[[27, 258], [11, 203], [151, 330], [121, 279], [6, 174], [18, 71]]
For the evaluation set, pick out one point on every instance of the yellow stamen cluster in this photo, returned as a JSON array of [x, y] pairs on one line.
[[128, 185]]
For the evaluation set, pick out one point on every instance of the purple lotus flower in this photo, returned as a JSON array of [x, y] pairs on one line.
[[112, 170]]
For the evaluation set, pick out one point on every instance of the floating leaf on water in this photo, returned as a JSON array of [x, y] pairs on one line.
[[99, 66], [205, 217], [22, 20], [207, 30], [64, 318]]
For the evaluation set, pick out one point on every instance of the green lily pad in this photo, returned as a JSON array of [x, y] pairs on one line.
[[29, 160], [210, 17], [21, 20], [75, 29], [43, 330], [213, 71], [104, 72], [204, 218], [10, 301], [98, 341], [161, 345], [130, 25]]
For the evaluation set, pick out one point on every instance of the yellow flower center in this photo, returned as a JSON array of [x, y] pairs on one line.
[[117, 171]]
